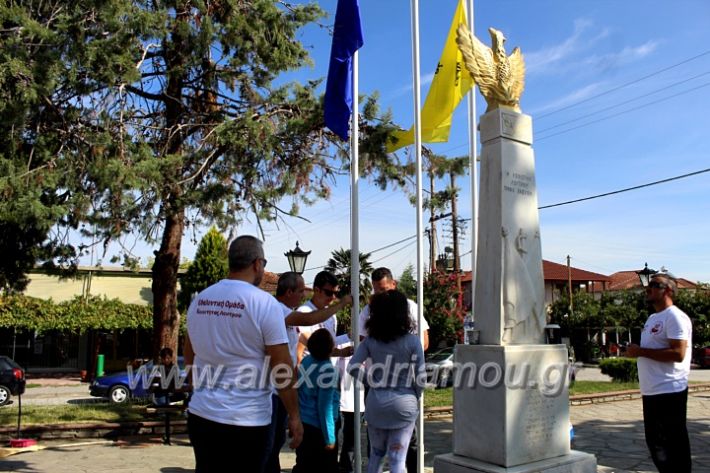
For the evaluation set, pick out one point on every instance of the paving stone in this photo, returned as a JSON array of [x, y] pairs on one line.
[[612, 431]]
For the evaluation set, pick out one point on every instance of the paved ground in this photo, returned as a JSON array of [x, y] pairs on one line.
[[611, 431]]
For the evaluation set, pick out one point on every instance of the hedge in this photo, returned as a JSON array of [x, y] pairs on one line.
[[621, 370], [78, 314]]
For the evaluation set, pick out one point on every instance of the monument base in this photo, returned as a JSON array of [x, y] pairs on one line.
[[574, 462], [511, 405]]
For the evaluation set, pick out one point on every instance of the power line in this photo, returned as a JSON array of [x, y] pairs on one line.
[[626, 84], [375, 251], [623, 112], [393, 244], [626, 189], [621, 103], [538, 117], [394, 252]]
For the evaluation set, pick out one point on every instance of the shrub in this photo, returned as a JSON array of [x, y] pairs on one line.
[[621, 370]]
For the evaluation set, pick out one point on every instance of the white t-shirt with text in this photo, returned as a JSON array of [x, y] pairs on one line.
[[661, 377], [230, 324]]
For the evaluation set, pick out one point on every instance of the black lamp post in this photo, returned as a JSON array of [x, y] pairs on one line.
[[645, 275], [297, 259]]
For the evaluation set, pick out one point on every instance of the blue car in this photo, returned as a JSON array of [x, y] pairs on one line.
[[120, 387]]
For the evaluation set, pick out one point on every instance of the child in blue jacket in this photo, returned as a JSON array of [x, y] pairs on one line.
[[319, 402]]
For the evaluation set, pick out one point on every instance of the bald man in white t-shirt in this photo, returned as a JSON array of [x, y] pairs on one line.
[[663, 369], [236, 338]]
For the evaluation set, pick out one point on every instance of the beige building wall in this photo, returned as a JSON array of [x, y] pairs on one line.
[[114, 283]]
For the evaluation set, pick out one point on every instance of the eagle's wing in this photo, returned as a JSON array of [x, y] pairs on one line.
[[517, 73], [478, 59]]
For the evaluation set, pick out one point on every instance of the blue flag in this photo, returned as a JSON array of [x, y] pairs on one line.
[[347, 38]]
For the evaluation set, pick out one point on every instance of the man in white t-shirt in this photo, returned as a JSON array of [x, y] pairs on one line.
[[290, 290], [663, 367], [236, 340], [325, 290], [383, 281]]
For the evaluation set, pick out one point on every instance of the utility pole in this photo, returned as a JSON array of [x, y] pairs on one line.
[[432, 232], [569, 285], [455, 231], [455, 224]]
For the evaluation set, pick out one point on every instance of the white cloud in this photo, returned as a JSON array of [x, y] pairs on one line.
[[571, 98], [546, 59], [625, 56]]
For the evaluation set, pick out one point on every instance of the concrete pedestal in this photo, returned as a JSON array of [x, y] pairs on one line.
[[511, 411], [574, 462]]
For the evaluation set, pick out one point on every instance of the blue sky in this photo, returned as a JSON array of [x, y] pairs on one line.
[[575, 51]]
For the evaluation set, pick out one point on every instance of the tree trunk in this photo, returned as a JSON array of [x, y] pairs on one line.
[[166, 318]]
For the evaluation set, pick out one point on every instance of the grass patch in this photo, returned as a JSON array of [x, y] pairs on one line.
[[593, 387], [75, 413], [32, 385], [445, 397], [438, 397]]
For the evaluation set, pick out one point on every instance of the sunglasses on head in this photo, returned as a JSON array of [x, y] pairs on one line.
[[657, 285]]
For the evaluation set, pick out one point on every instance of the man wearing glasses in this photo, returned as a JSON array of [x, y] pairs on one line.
[[663, 368], [325, 291]]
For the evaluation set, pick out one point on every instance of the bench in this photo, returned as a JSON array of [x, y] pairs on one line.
[[167, 412]]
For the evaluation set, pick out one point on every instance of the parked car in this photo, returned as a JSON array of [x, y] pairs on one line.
[[440, 368], [701, 356], [120, 387], [12, 379]]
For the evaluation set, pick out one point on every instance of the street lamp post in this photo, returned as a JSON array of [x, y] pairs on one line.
[[297, 259], [645, 275]]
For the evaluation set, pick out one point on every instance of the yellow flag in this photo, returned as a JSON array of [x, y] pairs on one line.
[[451, 82]]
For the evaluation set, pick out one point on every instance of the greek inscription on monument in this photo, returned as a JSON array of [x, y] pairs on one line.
[[540, 419], [519, 183]]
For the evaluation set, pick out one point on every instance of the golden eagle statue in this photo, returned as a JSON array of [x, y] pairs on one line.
[[500, 78]]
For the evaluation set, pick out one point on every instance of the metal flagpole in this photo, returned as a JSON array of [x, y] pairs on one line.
[[355, 252], [420, 226], [473, 150]]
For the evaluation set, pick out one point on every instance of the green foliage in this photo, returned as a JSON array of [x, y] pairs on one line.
[[77, 314], [586, 311], [142, 118], [622, 370], [407, 283], [628, 309], [211, 265], [697, 305], [443, 309], [340, 265]]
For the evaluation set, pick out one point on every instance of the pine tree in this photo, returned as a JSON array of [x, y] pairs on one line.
[[407, 283], [146, 118], [211, 264]]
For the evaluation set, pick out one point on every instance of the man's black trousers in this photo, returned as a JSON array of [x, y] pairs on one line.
[[221, 447], [664, 418]]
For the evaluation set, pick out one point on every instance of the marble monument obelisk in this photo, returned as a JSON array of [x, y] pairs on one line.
[[511, 403]]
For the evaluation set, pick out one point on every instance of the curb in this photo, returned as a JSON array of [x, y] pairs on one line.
[[107, 430]]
